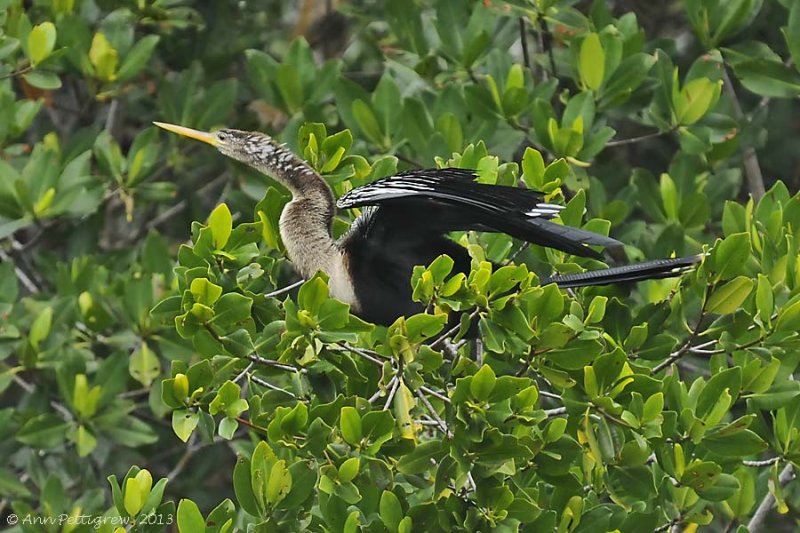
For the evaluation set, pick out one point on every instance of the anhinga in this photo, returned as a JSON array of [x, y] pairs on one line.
[[406, 224]]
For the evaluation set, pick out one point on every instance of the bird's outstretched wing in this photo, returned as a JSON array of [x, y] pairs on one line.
[[655, 269], [450, 200]]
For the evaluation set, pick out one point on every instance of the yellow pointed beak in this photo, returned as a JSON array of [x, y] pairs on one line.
[[189, 132]]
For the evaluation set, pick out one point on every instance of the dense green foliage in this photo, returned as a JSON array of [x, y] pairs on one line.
[[247, 404]]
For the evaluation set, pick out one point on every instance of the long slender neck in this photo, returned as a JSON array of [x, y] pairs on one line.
[[305, 223]]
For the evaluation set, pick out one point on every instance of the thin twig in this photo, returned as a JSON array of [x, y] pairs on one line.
[[680, 352], [191, 448], [369, 355], [258, 381], [752, 169], [284, 290], [454, 329], [433, 413], [634, 140], [31, 389], [275, 364], [244, 372], [111, 118], [16, 73], [432, 392], [762, 512], [392, 392], [183, 204], [23, 278], [765, 462], [549, 413], [381, 391], [523, 41], [547, 44]]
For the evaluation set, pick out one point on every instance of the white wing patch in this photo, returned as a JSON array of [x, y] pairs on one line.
[[545, 210]]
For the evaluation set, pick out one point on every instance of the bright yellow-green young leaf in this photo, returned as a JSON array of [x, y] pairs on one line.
[[103, 58], [695, 100], [591, 62], [144, 365], [40, 328], [41, 41], [403, 403], [221, 223]]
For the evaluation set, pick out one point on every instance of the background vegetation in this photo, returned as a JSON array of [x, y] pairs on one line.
[[670, 405]]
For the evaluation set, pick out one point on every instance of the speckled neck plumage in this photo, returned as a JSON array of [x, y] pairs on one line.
[[305, 223]]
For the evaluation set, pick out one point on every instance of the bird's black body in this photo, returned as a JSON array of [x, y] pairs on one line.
[[406, 222]]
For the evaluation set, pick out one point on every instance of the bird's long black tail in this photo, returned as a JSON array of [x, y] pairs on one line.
[[656, 269]]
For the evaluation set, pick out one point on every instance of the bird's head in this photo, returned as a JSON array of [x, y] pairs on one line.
[[257, 150], [245, 146]]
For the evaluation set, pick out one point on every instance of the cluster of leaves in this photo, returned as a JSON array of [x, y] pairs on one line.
[[669, 404]]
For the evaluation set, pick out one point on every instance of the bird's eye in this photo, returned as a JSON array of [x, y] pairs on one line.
[[222, 136]]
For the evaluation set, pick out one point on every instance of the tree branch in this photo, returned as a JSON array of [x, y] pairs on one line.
[[762, 512], [752, 169]]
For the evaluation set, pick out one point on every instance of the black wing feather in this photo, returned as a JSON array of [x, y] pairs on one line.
[[521, 213]]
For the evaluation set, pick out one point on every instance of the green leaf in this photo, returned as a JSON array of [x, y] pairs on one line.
[[144, 365], [420, 327], [533, 169], [103, 57], [769, 78], [792, 32], [205, 292], [279, 484], [41, 41], [728, 298], [136, 491], [243, 487], [43, 431], [765, 303], [483, 383], [695, 100], [43, 79], [700, 475], [184, 422], [789, 318], [419, 460], [349, 469], [591, 62], [730, 255], [350, 424], [136, 60], [190, 519], [390, 510], [723, 488], [221, 223], [740, 445], [366, 120], [40, 329]]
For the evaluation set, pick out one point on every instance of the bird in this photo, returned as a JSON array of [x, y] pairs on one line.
[[405, 222]]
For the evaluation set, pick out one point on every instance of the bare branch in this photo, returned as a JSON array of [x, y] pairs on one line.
[[381, 391], [284, 290], [765, 462], [258, 381], [392, 392], [31, 389], [433, 413], [275, 364], [752, 169], [634, 140], [762, 512]]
